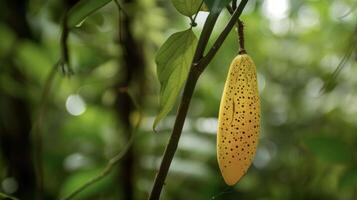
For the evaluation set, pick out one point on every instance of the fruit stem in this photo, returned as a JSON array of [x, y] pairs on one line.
[[241, 37]]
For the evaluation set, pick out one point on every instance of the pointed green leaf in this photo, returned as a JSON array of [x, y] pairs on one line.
[[215, 5], [83, 9], [187, 7], [173, 63]]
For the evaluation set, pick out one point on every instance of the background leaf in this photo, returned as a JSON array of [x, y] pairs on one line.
[[187, 7], [173, 62], [82, 9], [330, 149], [216, 4], [349, 180]]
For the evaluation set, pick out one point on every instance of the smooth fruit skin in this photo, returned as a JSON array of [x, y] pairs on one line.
[[238, 120]]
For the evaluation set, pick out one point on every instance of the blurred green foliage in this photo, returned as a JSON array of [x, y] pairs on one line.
[[308, 145]]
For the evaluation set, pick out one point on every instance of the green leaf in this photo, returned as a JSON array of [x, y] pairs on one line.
[[329, 149], [215, 5], [35, 60], [187, 7], [7, 40], [173, 63], [349, 180], [82, 9]]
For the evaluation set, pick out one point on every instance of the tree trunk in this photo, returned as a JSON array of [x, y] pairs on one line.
[[15, 116], [132, 65]]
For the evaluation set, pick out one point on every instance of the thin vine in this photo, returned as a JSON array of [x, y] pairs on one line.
[[113, 161]]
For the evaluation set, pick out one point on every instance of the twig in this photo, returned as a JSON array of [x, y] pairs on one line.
[[193, 20], [197, 67]]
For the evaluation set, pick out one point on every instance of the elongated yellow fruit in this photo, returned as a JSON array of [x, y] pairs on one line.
[[238, 120]]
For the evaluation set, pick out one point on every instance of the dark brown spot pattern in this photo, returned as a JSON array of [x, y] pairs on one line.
[[238, 120]]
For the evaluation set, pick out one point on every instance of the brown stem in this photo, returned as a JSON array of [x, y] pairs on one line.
[[241, 37]]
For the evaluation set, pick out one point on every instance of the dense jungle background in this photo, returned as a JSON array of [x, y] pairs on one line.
[[61, 122]]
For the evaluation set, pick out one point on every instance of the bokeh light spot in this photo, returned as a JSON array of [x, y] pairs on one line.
[[75, 105]]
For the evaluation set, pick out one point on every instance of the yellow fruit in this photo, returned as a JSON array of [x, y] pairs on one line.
[[238, 120]]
